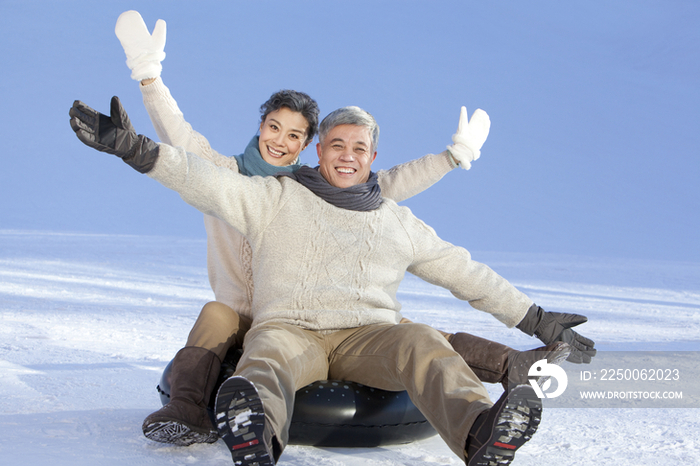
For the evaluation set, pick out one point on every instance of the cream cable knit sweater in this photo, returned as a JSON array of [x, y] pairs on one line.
[[228, 253], [326, 268]]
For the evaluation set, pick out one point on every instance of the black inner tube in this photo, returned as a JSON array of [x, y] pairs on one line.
[[336, 413]]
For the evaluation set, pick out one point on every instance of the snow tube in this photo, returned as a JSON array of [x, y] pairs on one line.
[[335, 413]]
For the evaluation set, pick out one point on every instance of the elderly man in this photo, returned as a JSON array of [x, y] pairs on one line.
[[328, 256]]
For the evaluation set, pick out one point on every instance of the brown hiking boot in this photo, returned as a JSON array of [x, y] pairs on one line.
[[493, 362]]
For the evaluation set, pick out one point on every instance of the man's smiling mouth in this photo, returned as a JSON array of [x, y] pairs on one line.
[[345, 170]]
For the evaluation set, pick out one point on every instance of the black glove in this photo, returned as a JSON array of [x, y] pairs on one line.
[[113, 134], [556, 326]]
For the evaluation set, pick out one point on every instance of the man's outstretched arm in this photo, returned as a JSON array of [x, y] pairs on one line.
[[453, 268], [408, 179], [245, 203]]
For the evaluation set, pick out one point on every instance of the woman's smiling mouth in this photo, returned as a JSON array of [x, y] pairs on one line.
[[274, 152]]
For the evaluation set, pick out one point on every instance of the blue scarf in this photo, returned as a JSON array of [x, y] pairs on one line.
[[251, 163]]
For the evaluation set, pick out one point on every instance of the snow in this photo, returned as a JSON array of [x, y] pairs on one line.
[[89, 321]]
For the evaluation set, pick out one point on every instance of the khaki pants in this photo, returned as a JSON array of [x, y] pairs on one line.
[[279, 359], [218, 328]]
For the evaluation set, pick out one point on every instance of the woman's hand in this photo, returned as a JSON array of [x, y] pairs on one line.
[[144, 51]]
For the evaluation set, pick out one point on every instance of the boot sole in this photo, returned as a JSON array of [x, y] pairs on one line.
[[517, 373], [240, 420], [176, 433], [516, 423], [557, 355]]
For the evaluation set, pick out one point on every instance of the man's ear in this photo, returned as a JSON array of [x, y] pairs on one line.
[[373, 157], [318, 150]]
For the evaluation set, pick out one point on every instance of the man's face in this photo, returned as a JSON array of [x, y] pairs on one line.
[[282, 137], [345, 157]]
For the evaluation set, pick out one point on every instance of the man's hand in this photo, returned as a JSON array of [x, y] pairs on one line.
[[470, 136], [550, 327], [144, 51], [113, 134]]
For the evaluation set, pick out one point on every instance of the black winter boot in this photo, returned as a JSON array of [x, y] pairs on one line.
[[185, 419], [493, 362], [241, 422], [499, 431]]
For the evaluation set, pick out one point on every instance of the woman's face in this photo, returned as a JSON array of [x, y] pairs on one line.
[[282, 137]]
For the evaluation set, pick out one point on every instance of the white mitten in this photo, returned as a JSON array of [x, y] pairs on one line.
[[144, 51], [470, 136]]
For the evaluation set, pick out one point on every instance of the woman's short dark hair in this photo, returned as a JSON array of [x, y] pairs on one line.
[[297, 102]]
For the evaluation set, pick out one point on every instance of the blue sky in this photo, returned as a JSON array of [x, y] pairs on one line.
[[594, 106]]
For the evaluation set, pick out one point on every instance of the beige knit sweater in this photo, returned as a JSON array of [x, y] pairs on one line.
[[229, 256], [326, 268]]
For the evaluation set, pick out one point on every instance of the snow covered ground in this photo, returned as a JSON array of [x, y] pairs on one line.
[[88, 322]]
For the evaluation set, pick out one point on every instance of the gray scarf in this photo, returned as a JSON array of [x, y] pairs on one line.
[[362, 197]]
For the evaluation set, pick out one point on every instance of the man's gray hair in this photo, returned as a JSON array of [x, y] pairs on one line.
[[350, 116]]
